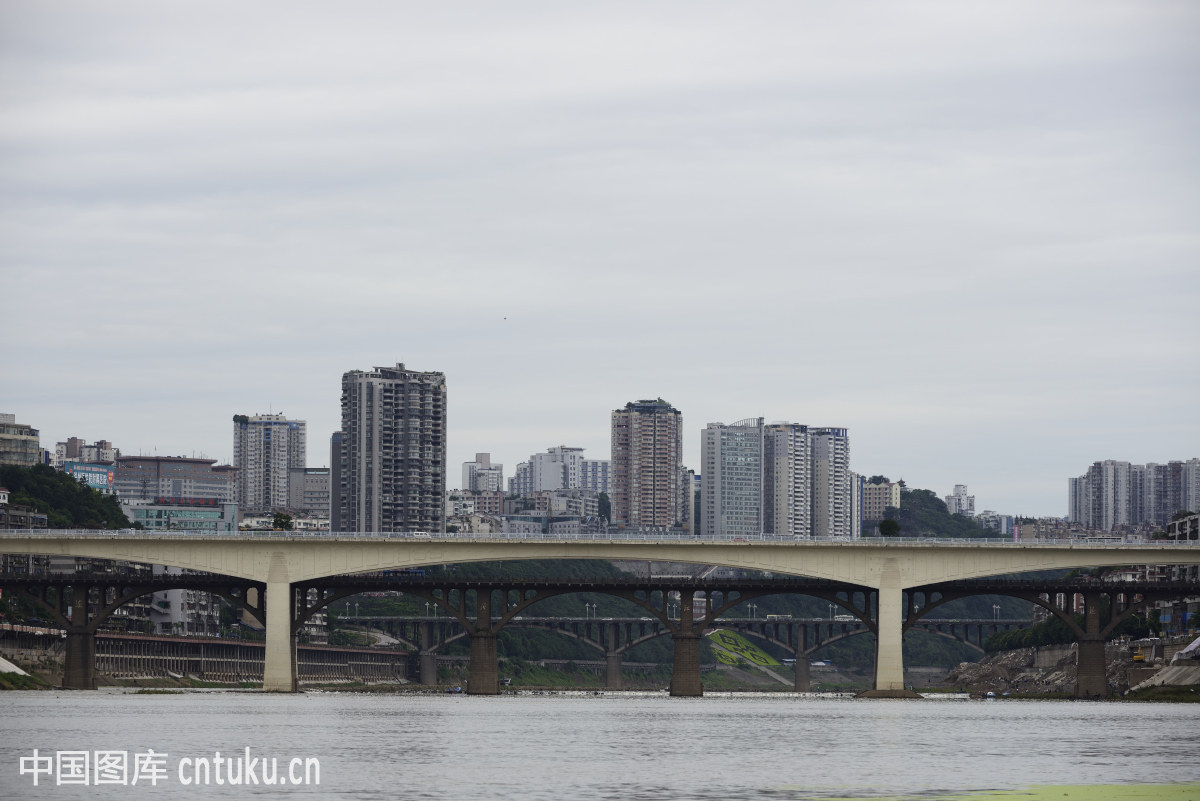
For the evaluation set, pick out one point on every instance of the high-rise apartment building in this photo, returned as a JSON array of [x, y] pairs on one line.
[[647, 465], [731, 478], [594, 475], [787, 480], [392, 459], [783, 479], [266, 448], [481, 475], [833, 497], [1115, 494]]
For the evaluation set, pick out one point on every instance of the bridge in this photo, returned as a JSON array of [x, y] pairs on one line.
[[888, 584], [614, 637]]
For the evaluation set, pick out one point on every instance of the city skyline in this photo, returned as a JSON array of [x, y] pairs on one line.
[[967, 234]]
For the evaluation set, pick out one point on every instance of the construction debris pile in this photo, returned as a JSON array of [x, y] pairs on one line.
[[1022, 671]]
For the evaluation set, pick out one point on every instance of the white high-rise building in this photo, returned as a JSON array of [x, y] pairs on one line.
[[959, 502], [481, 475], [266, 447], [833, 501], [801, 479], [560, 467], [787, 480], [594, 475], [392, 451], [731, 479]]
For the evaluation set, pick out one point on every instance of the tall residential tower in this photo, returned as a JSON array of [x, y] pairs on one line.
[[392, 460], [731, 478], [647, 476], [266, 447]]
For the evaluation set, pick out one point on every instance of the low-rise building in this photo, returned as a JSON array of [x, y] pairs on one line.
[[77, 449], [19, 443], [877, 498], [200, 515]]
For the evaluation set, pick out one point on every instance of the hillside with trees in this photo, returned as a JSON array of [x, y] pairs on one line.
[[923, 514], [66, 501]]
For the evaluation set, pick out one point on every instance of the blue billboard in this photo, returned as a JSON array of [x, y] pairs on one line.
[[96, 476]]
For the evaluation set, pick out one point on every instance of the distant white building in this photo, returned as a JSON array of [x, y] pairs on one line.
[[482, 475], [559, 468], [959, 502], [1001, 524], [593, 475]]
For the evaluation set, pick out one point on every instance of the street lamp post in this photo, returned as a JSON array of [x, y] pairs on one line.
[[753, 609], [831, 608], [996, 612]]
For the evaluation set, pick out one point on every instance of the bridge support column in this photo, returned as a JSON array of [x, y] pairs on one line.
[[279, 655], [685, 671], [612, 658], [803, 681], [483, 677], [428, 666], [612, 670], [80, 669], [1091, 679], [889, 640]]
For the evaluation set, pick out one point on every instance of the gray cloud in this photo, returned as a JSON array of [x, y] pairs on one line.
[[964, 230]]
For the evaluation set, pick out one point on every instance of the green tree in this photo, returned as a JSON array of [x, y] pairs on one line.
[[878, 480], [889, 528], [66, 501], [282, 522], [605, 506]]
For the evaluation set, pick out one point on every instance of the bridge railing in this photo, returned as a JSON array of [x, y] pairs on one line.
[[612, 535]]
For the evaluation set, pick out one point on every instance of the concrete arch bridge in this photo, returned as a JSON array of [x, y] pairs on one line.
[[883, 582]]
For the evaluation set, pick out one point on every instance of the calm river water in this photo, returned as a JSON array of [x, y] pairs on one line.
[[619, 746]]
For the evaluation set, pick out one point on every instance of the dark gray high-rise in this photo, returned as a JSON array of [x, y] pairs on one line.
[[392, 463]]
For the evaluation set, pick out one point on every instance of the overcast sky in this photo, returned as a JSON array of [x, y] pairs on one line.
[[966, 231]]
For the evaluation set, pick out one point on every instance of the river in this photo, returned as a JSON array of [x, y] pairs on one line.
[[618, 746]]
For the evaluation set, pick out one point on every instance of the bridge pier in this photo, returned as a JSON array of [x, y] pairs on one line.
[[803, 681], [889, 639], [483, 676], [428, 667], [612, 658], [279, 655], [79, 671], [612, 670], [685, 670], [1091, 678]]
